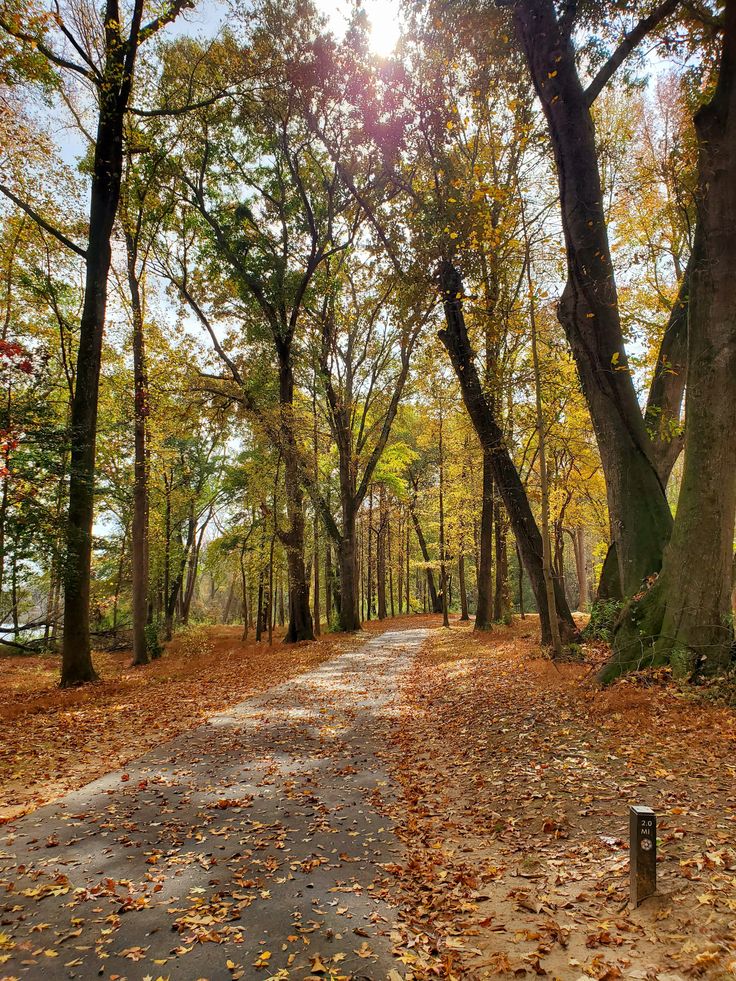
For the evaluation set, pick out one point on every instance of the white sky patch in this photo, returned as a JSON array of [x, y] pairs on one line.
[[383, 16]]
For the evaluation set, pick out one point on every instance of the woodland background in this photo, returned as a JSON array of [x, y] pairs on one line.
[[227, 395]]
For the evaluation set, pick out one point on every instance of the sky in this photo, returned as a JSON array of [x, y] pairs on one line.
[[383, 16]]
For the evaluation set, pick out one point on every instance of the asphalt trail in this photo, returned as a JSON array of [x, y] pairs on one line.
[[244, 848]]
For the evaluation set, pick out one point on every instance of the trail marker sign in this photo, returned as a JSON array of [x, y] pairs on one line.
[[643, 853]]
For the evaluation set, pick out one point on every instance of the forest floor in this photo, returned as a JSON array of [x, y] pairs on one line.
[[424, 803], [516, 781]]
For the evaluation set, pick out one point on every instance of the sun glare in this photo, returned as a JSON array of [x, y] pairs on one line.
[[385, 27], [383, 18]]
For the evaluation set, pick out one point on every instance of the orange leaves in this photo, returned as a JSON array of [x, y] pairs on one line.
[[134, 953], [237, 803], [523, 776]]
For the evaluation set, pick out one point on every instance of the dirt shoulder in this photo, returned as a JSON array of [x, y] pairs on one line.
[[53, 741], [517, 780]]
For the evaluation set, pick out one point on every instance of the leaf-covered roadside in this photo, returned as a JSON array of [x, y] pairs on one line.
[[517, 777], [53, 741]]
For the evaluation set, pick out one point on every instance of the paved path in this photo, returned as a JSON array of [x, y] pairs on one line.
[[251, 840]]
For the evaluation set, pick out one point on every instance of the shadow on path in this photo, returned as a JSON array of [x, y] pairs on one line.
[[241, 849]]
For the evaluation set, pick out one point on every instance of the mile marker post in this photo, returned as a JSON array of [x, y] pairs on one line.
[[643, 853]]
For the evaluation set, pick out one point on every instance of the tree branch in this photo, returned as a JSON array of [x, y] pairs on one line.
[[630, 41], [42, 223], [47, 52], [167, 17], [181, 110]]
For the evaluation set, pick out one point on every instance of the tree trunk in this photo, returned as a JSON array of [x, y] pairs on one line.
[[114, 92], [349, 606], [684, 618], [14, 601], [316, 600], [244, 602], [464, 614], [588, 310], [408, 579], [328, 582], [381, 553], [390, 565], [581, 567], [167, 551], [522, 612], [501, 599], [139, 529], [259, 615], [191, 581], [443, 554], [361, 567], [435, 600], [506, 477], [400, 565], [229, 601], [315, 525], [174, 595], [556, 640], [270, 590], [77, 667], [369, 577], [118, 581], [664, 404], [484, 607], [300, 616]]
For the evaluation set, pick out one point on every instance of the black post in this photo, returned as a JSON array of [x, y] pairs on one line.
[[643, 853]]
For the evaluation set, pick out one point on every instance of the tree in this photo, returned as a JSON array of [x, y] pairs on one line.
[[640, 517], [112, 83], [685, 615], [366, 338]]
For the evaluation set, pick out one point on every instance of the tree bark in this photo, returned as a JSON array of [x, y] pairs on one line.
[[381, 553], [139, 532], [434, 599], [464, 614], [581, 568], [501, 600], [666, 392], [390, 564], [244, 588], [443, 553], [522, 612], [408, 579], [174, 595], [349, 605], [369, 569], [114, 92], [300, 616], [77, 667], [506, 477], [684, 617], [640, 517], [328, 582], [400, 563], [484, 607], [315, 524], [549, 585]]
